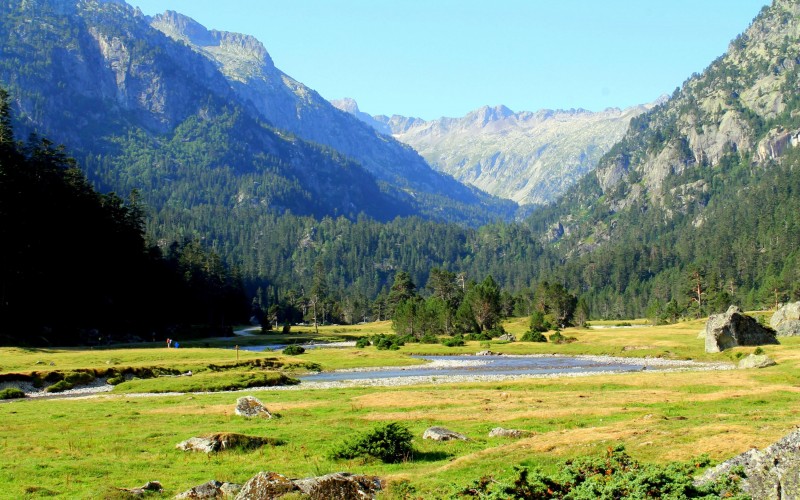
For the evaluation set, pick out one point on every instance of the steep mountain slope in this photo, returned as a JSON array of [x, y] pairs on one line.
[[289, 105], [150, 112], [531, 158], [704, 185]]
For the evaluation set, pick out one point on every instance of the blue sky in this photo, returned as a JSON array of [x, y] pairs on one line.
[[432, 58]]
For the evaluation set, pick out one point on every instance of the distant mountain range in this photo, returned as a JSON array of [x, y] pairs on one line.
[[104, 79], [528, 157]]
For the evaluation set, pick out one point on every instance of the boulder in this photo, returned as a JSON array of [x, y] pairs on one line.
[[211, 489], [509, 433], [223, 440], [507, 337], [786, 320], [266, 485], [756, 361], [734, 328], [340, 486], [771, 474], [250, 407], [484, 353], [442, 434], [147, 488]]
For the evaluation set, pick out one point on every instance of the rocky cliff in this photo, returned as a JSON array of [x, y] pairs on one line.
[[528, 157]]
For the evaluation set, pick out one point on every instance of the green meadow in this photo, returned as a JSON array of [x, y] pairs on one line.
[[86, 447]]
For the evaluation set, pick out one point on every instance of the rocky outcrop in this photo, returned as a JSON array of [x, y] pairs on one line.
[[756, 361], [211, 489], [509, 433], [443, 434], [771, 474], [734, 328], [224, 440], [250, 407], [786, 320], [339, 485]]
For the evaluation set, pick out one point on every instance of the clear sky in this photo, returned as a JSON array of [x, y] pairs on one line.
[[432, 58]]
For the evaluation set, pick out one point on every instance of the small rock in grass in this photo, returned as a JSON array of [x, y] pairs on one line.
[[509, 433], [756, 361], [148, 487], [224, 440], [443, 434], [250, 407], [211, 489]]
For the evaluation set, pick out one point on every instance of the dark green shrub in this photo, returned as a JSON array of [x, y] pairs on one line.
[[294, 350], [387, 342], [456, 341], [496, 332], [559, 338], [478, 336], [428, 339], [116, 380], [531, 336], [390, 443], [12, 393], [758, 351], [362, 342], [538, 323], [60, 386], [287, 329], [79, 378]]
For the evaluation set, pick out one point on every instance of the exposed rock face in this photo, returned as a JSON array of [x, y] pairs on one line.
[[443, 434], [509, 433], [222, 441], [756, 361], [733, 328], [211, 489], [528, 157], [772, 474], [336, 486], [786, 320], [250, 407], [340, 485], [266, 485]]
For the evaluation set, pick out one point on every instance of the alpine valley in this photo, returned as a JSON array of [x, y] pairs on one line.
[[219, 147]]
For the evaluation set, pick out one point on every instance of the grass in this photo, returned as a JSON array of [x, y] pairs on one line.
[[81, 447]]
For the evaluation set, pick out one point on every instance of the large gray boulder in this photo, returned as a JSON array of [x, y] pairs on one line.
[[509, 433], [250, 407], [220, 441], [266, 485], [734, 328], [772, 474], [443, 434], [786, 320]]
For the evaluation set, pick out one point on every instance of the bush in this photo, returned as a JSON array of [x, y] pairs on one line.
[[531, 336], [558, 338], [363, 342], [496, 332], [479, 336], [12, 393], [758, 351], [294, 350], [79, 378], [538, 323], [456, 341], [428, 339], [390, 443], [384, 342], [60, 386]]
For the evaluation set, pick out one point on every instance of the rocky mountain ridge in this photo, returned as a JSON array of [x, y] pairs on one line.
[[528, 157]]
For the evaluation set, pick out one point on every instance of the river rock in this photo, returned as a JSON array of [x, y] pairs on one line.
[[509, 433], [734, 328], [772, 474], [443, 434], [786, 320], [756, 361], [340, 485], [484, 353], [250, 407], [211, 489], [266, 485], [147, 488]]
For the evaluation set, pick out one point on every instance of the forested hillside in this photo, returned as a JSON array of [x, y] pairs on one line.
[[75, 266]]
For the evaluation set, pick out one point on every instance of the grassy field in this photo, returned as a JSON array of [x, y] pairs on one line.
[[85, 447]]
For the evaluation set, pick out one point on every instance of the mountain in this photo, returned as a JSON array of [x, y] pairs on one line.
[[701, 192], [531, 158], [202, 118], [289, 105]]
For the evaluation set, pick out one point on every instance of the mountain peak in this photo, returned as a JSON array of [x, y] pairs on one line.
[[347, 104]]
